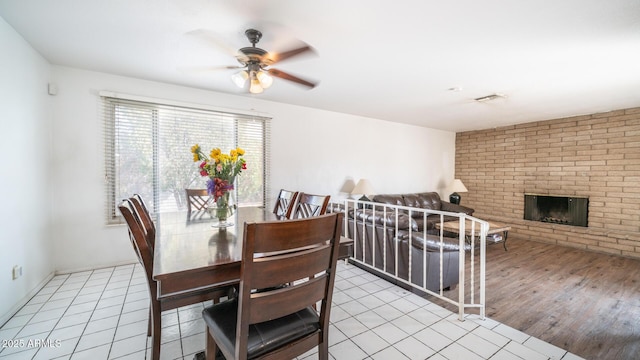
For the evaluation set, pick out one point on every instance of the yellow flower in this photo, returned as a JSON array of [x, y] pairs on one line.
[[195, 150], [219, 165], [215, 155]]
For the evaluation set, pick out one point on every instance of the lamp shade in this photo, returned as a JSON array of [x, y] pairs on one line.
[[457, 186], [363, 187], [240, 78], [255, 87], [265, 79]]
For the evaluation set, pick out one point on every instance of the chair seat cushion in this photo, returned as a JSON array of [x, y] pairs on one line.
[[221, 319]]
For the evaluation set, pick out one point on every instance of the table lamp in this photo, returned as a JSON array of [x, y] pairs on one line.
[[457, 186], [363, 187]]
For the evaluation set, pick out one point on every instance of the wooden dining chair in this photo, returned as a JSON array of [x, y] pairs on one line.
[[309, 205], [145, 217], [197, 203], [284, 203], [141, 242], [267, 320]]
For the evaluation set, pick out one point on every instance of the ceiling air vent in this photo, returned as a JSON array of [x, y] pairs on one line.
[[489, 97]]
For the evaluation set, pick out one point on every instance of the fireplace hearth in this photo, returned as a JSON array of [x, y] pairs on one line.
[[562, 210]]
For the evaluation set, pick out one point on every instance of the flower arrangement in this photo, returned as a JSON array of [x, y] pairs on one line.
[[221, 169]]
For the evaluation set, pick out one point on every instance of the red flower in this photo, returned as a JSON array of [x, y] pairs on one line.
[[203, 172], [244, 166], [218, 187]]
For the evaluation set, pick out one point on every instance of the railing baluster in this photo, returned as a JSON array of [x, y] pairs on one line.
[[395, 243], [384, 240], [424, 252]]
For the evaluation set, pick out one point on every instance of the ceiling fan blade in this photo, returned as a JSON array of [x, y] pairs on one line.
[[277, 57], [283, 75]]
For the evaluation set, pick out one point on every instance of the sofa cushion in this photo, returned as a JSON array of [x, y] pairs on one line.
[[380, 218], [391, 199], [429, 200]]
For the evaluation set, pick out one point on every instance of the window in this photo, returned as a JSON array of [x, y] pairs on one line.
[[147, 148]]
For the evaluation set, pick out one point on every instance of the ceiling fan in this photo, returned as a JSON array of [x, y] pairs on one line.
[[255, 63]]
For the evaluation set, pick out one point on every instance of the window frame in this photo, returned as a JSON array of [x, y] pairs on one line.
[[109, 103]]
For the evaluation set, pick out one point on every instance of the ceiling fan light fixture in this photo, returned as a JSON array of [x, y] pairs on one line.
[[265, 79], [255, 62], [240, 78], [255, 87]]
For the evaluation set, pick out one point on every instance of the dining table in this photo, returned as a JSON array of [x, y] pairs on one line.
[[194, 253]]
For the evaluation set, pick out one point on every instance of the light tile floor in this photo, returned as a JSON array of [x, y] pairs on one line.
[[102, 314]]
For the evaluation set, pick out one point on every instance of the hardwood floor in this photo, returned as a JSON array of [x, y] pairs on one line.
[[584, 302]]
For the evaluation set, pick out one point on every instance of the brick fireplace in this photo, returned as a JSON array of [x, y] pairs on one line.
[[596, 157]]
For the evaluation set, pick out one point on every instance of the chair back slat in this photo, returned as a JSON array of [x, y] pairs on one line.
[[197, 203], [285, 203], [291, 235], [281, 269], [278, 303], [309, 205]]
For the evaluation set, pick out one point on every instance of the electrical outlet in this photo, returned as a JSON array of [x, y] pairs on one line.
[[17, 272]]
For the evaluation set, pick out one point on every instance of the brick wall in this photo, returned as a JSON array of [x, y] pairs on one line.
[[597, 156]]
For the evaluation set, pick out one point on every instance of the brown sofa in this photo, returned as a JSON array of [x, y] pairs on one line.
[[369, 223], [425, 200]]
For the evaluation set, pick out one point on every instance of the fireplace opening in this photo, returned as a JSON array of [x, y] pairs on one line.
[[556, 209]]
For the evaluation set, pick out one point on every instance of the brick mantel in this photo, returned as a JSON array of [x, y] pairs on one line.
[[596, 156]]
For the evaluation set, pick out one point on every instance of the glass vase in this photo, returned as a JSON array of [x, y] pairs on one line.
[[224, 209]]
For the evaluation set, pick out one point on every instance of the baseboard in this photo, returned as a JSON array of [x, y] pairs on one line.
[[17, 306]]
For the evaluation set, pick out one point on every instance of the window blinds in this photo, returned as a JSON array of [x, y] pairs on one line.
[[147, 151]]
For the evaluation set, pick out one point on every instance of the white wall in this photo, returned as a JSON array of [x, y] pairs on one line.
[[312, 150], [25, 183]]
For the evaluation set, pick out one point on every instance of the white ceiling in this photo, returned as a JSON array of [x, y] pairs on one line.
[[390, 60]]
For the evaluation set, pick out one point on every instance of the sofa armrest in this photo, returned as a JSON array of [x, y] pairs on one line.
[[432, 242], [447, 206], [379, 218], [335, 207]]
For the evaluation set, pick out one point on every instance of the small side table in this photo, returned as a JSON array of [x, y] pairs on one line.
[[497, 231]]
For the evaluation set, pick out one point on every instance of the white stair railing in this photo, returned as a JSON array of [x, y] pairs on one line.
[[401, 237]]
